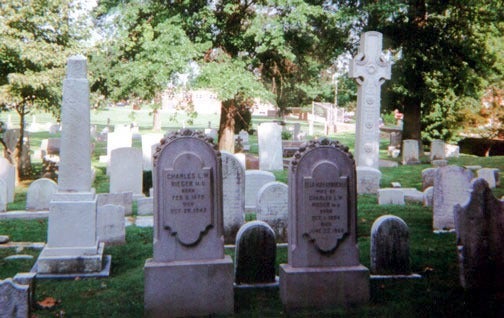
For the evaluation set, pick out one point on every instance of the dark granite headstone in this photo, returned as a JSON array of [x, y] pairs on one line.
[[480, 239], [390, 246], [255, 254]]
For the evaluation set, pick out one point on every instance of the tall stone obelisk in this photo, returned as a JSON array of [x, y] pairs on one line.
[[72, 245]]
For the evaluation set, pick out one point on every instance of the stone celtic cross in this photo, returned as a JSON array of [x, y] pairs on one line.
[[370, 70]]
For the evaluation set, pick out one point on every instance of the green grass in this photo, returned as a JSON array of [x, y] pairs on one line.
[[437, 294]]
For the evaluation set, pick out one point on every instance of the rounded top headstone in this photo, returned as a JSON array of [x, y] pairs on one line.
[[76, 67], [389, 220]]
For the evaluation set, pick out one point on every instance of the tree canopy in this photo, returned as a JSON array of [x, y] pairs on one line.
[[36, 38], [445, 59]]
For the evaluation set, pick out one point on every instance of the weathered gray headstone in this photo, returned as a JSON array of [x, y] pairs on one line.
[[370, 69], [390, 246], [255, 254], [272, 207], [452, 151], [270, 146], [322, 232], [3, 195], [8, 174], [390, 196], [72, 245], [254, 180], [368, 180], [40, 193], [11, 137], [126, 172], [233, 195], [14, 299], [148, 141], [110, 224], [117, 140], [451, 187], [189, 275], [124, 199], [412, 195], [428, 200], [428, 175], [244, 136], [27, 279], [489, 175], [480, 239], [145, 206], [410, 155], [437, 150]]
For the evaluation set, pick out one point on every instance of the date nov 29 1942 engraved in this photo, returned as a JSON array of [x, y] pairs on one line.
[[188, 191]]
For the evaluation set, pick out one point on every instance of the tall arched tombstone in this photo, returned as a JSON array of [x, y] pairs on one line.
[[189, 274], [323, 254]]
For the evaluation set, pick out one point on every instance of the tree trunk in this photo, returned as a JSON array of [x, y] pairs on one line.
[[23, 169], [412, 122], [156, 120], [227, 125]]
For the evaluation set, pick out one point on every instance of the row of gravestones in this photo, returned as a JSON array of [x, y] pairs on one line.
[[451, 185], [398, 195], [250, 190], [255, 251], [188, 231], [479, 238], [322, 249], [439, 151]]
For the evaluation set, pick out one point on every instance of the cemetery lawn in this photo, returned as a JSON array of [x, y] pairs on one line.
[[434, 256]]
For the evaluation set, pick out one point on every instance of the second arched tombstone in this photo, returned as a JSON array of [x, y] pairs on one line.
[[390, 246], [233, 195], [272, 207], [40, 193], [255, 254]]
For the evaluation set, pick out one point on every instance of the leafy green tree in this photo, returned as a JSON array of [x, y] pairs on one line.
[[445, 61], [143, 47], [285, 46], [36, 37], [486, 120]]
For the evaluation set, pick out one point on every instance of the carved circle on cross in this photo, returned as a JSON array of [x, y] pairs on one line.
[[371, 69], [368, 148], [370, 100], [369, 125]]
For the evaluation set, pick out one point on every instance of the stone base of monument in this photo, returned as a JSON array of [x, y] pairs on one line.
[[368, 180], [188, 288], [72, 246], [73, 261], [323, 287]]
